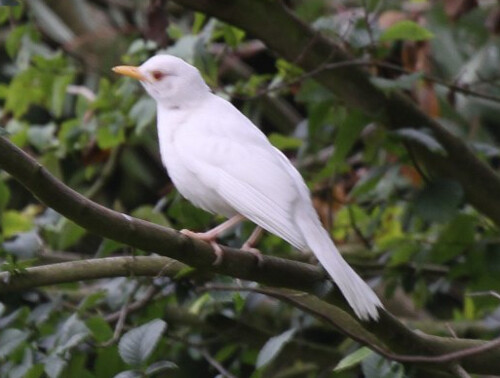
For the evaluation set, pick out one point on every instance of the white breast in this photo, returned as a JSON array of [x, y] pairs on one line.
[[174, 147]]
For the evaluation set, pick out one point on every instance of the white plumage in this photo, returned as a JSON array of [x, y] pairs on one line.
[[220, 161]]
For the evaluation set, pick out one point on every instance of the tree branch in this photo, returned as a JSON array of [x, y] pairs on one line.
[[164, 241], [89, 269], [297, 42]]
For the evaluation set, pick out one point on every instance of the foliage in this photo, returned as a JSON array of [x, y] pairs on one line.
[[413, 235]]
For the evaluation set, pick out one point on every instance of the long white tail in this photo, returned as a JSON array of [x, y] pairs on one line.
[[358, 294]]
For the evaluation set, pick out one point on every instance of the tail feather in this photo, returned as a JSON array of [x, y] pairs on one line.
[[358, 294]]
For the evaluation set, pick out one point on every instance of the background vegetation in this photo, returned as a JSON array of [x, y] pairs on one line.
[[390, 110]]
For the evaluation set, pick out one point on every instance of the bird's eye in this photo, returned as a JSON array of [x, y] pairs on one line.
[[158, 75]]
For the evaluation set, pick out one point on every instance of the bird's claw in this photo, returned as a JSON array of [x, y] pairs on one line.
[[219, 253], [254, 251], [206, 237]]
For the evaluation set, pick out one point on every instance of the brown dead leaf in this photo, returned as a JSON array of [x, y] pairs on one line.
[[427, 99], [157, 23], [492, 23], [390, 17], [455, 9], [411, 174]]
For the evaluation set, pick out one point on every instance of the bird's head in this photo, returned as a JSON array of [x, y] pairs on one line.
[[169, 80]]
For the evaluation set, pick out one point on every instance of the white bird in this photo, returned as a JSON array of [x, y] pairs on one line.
[[220, 161]]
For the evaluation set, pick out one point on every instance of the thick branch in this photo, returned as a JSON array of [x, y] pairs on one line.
[[153, 238], [299, 43]]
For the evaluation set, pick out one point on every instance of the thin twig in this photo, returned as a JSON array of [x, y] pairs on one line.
[[105, 175], [363, 62], [416, 163], [215, 364], [201, 347], [484, 293], [135, 306], [366, 18], [439, 359], [454, 87], [459, 371], [82, 91], [456, 368], [122, 316], [367, 243]]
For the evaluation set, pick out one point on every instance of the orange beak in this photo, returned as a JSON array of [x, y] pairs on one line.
[[129, 71]]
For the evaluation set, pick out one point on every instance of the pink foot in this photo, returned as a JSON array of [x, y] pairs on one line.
[[254, 251], [209, 238]]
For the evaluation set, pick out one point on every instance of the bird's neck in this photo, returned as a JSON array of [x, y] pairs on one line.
[[184, 103], [171, 117]]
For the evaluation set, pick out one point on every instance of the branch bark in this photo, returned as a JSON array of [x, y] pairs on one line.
[[90, 269], [297, 42], [164, 241]]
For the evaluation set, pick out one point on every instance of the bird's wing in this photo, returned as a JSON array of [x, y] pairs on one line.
[[234, 159], [237, 161]]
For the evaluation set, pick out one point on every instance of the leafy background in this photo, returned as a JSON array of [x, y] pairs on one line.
[[431, 256]]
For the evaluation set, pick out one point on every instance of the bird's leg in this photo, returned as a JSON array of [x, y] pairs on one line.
[[252, 240], [210, 236]]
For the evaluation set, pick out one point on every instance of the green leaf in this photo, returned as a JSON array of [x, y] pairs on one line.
[[18, 99], [402, 251], [70, 334], [226, 352], [422, 137], [406, 30], [199, 19], [4, 195], [402, 82], [184, 272], [232, 35], [138, 344], [54, 366], [91, 300], [147, 212], [283, 142], [36, 371], [368, 182], [100, 329], [143, 113], [129, 374], [353, 359], [14, 222], [469, 308], [10, 339], [287, 69], [18, 132], [13, 40], [198, 304], [160, 367], [42, 137], [109, 136], [273, 346], [174, 31], [59, 86], [439, 200], [21, 370], [375, 366], [107, 247], [348, 133], [108, 362], [239, 302], [70, 234], [41, 313], [456, 238]]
